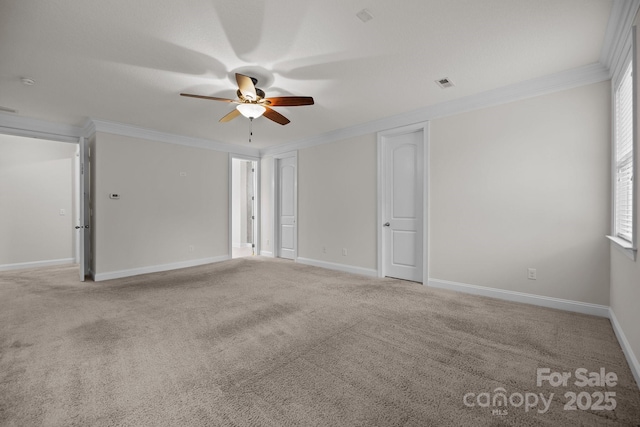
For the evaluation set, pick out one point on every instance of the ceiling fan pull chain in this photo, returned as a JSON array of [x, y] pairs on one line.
[[250, 128]]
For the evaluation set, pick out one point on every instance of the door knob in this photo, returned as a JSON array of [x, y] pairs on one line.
[[386, 224]]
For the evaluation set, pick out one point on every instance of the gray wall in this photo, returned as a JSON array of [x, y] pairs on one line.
[[160, 214], [520, 185], [337, 200], [36, 182]]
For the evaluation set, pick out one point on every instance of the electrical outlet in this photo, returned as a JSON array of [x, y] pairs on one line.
[[344, 251], [531, 274], [62, 212]]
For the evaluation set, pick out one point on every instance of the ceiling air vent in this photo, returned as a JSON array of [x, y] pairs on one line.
[[445, 83], [364, 15]]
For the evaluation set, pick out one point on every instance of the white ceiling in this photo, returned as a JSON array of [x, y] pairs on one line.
[[127, 61]]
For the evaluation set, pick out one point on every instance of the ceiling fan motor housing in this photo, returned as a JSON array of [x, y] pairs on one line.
[[259, 93]]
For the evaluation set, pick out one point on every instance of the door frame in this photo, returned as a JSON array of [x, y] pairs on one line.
[[257, 201], [381, 140], [276, 203], [21, 129], [84, 208]]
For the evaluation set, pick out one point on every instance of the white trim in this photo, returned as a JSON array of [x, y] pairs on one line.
[[37, 264], [153, 135], [424, 127], [636, 132], [539, 300], [39, 129], [38, 135], [158, 268], [634, 365], [338, 267], [76, 201], [581, 76], [89, 128], [275, 202], [616, 40], [272, 207], [35, 128], [266, 253], [624, 247], [611, 35]]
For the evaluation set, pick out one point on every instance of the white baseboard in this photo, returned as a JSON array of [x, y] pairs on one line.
[[626, 347], [157, 268], [339, 267], [36, 264], [266, 253], [543, 301]]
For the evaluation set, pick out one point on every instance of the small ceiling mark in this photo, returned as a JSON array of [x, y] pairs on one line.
[[27, 81], [364, 15], [445, 83], [8, 110]]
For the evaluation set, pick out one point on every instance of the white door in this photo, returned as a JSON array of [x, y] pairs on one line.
[[286, 203], [402, 168], [83, 220]]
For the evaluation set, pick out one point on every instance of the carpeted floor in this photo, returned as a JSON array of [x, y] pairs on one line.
[[264, 342]]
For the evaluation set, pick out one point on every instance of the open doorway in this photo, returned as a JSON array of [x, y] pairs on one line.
[[244, 202], [39, 208]]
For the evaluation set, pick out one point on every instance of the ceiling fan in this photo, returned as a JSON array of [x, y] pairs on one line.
[[253, 104]]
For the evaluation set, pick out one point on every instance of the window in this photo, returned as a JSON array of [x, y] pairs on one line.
[[624, 158]]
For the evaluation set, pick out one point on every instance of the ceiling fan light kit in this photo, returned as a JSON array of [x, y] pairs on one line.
[[251, 111]]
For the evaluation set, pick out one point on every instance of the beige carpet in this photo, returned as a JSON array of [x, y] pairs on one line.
[[263, 342]]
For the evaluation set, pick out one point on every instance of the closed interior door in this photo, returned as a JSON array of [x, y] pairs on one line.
[[287, 207], [403, 206]]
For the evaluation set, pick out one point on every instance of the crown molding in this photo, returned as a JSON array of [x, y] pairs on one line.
[[581, 76], [153, 135], [36, 128], [617, 40], [589, 74], [89, 128]]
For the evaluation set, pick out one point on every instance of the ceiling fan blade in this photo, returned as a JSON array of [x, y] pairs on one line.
[[232, 115], [289, 101], [213, 98], [275, 116], [246, 87]]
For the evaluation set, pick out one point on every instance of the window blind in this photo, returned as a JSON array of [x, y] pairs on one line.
[[624, 157]]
